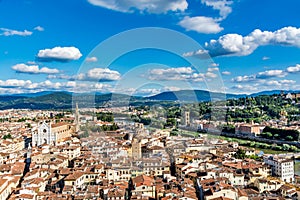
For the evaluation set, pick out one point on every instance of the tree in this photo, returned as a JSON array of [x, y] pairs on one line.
[[240, 154], [8, 136], [289, 138]]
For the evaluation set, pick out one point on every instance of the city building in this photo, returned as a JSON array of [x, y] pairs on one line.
[[249, 129], [187, 120], [281, 168], [136, 149], [51, 133]]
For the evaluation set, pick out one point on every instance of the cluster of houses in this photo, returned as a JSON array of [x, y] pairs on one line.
[[49, 161]]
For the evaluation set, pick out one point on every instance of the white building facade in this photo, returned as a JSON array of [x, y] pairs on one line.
[[43, 135], [281, 168]]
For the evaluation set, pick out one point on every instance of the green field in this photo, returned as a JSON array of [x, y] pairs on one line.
[[266, 151]]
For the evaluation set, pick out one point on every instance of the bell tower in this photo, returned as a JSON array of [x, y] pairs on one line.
[[77, 128]]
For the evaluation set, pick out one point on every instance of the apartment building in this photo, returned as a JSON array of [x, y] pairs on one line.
[[281, 168]]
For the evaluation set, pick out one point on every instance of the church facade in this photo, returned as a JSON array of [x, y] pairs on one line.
[[51, 133]]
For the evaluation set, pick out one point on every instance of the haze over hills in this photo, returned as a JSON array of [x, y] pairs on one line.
[[63, 100]]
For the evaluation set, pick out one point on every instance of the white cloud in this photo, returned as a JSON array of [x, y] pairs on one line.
[[293, 69], [171, 88], [287, 81], [11, 83], [180, 74], [150, 6], [102, 74], [264, 84], [24, 86], [201, 53], [210, 75], [91, 59], [223, 6], [214, 65], [39, 28], [95, 74], [147, 91], [244, 88], [60, 76], [179, 70], [226, 73], [273, 83], [62, 54], [271, 73], [279, 83], [244, 78], [260, 75], [211, 69], [33, 69], [265, 58], [11, 32], [200, 24], [238, 45]]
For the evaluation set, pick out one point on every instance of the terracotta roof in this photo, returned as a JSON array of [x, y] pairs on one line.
[[59, 124], [143, 180], [74, 176]]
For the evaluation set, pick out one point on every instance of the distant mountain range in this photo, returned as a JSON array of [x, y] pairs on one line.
[[64, 100]]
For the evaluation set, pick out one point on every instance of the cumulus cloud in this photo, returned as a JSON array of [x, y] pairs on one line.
[[91, 59], [210, 75], [211, 69], [237, 45], [226, 73], [272, 83], [293, 69], [180, 74], [261, 75], [24, 86], [11, 32], [150, 6], [33, 69], [244, 88], [271, 73], [59, 76], [12, 83], [62, 54], [39, 28], [264, 84], [201, 24], [279, 83], [214, 65], [95, 74], [287, 81], [223, 6], [102, 74], [201, 53]]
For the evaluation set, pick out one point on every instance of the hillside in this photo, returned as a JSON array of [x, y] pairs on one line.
[[63, 100]]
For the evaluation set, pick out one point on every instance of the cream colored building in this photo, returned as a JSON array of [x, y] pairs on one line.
[[281, 168]]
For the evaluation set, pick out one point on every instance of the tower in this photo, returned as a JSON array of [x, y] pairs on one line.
[[187, 118], [136, 149], [77, 128]]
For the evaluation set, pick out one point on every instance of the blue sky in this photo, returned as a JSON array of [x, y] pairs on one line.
[[233, 46]]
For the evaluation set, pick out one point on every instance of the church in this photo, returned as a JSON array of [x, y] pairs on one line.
[[51, 133], [48, 133]]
